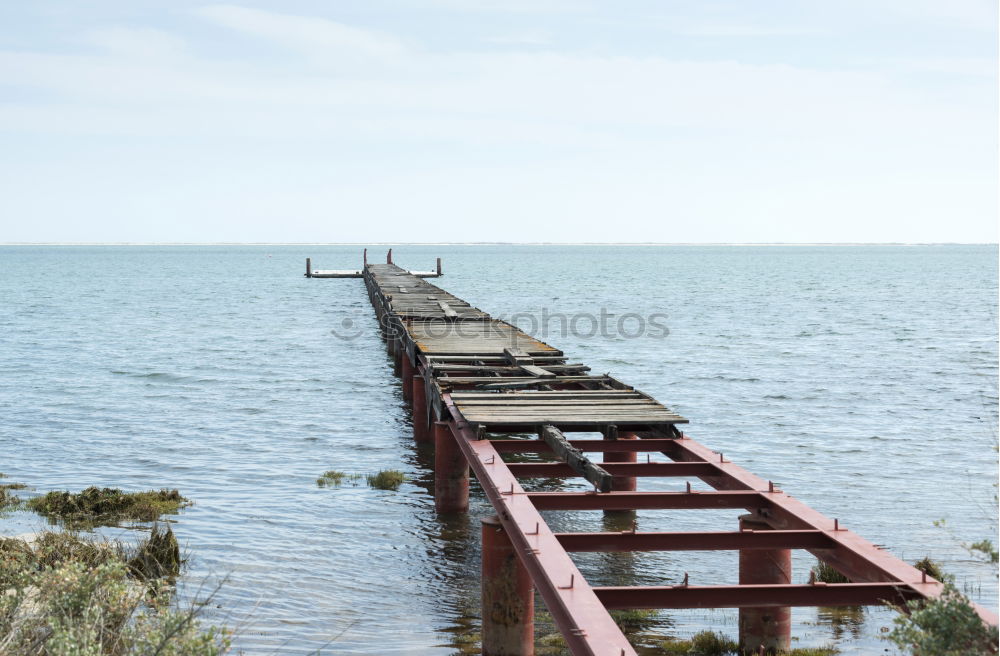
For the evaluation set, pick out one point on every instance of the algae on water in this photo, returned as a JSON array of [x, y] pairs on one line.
[[96, 505]]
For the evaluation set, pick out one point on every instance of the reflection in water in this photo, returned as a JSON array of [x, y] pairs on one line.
[[843, 621]]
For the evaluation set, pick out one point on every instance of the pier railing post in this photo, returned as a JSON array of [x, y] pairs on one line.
[[451, 472], [769, 627], [508, 597], [419, 407]]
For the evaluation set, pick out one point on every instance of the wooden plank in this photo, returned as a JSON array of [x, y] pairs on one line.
[[573, 457], [537, 371]]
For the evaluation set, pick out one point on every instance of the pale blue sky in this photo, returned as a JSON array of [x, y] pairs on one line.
[[492, 120]]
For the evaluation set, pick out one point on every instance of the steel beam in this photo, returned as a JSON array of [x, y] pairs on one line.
[[755, 596], [644, 500], [642, 469], [693, 541], [587, 446]]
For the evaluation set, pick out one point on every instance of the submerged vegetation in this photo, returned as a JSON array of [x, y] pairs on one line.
[[8, 499], [386, 479], [704, 643], [95, 505], [331, 478], [710, 643]]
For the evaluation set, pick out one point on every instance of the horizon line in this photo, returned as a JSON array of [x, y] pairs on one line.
[[491, 243]]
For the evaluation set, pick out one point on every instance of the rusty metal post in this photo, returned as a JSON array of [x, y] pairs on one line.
[[406, 374], [770, 627], [364, 258], [623, 483], [418, 394], [507, 594], [388, 257], [451, 472], [309, 267]]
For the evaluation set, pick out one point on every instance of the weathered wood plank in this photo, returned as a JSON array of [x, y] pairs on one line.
[[573, 457]]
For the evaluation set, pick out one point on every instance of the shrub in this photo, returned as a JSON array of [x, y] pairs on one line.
[[946, 626], [930, 568], [67, 596]]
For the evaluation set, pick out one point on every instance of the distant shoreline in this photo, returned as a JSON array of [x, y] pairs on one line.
[[494, 243]]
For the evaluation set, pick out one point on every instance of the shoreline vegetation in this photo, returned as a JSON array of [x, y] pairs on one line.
[[63, 593]]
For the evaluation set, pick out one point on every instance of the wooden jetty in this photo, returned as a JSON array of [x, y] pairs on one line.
[[477, 384]]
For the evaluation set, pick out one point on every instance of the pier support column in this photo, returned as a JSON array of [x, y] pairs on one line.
[[451, 472], [771, 627], [406, 374], [418, 394], [508, 597], [623, 483], [309, 267]]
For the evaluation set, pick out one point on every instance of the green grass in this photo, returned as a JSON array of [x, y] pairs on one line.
[[709, 643], [828, 574], [386, 479], [8, 499], [331, 478], [95, 506], [634, 618], [703, 643], [930, 568]]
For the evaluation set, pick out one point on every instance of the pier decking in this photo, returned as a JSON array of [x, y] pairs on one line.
[[477, 384]]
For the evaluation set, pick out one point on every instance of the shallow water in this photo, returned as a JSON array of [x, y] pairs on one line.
[[861, 379]]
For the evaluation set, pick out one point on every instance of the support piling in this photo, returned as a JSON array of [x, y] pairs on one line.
[[768, 628], [451, 472], [507, 596], [406, 373], [419, 405]]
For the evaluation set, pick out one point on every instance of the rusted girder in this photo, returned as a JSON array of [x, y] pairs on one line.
[[693, 541], [644, 469], [591, 446], [755, 596], [645, 500]]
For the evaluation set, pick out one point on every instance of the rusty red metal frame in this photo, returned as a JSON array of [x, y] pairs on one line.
[[581, 611]]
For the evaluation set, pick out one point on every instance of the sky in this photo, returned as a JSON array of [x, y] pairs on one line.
[[499, 120]]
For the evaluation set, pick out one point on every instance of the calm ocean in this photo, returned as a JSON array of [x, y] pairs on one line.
[[861, 379]]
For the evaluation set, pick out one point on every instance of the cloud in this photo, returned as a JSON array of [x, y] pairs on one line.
[[532, 38], [493, 133], [137, 42], [746, 31], [310, 34]]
